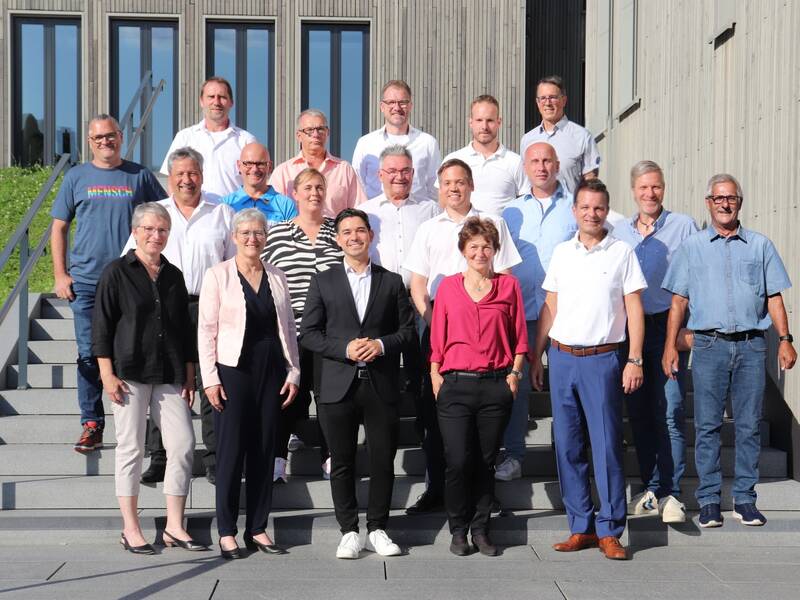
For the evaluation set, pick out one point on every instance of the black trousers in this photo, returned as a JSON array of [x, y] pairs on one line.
[[246, 433], [473, 414], [340, 422], [427, 421]]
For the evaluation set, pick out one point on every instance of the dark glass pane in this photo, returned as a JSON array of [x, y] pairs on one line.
[[31, 123], [162, 120], [319, 71], [258, 84], [66, 89], [129, 73], [352, 91], [225, 59]]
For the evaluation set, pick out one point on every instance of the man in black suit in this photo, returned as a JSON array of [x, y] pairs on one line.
[[358, 317]]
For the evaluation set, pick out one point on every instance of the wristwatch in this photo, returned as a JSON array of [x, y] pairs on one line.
[[787, 338], [515, 373], [635, 361]]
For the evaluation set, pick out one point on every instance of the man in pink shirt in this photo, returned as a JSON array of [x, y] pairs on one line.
[[343, 187]]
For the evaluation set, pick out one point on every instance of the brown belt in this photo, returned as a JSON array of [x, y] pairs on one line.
[[584, 350]]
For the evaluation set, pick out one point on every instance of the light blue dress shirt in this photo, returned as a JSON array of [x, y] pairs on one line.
[[727, 280], [655, 251], [536, 233], [276, 207]]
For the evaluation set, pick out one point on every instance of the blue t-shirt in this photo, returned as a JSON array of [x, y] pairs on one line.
[[275, 207], [103, 201]]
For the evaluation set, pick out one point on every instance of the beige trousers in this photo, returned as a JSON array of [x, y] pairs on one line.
[[174, 419]]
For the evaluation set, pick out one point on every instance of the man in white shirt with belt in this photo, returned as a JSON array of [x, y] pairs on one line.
[[498, 172], [396, 105], [593, 286], [199, 238], [218, 140]]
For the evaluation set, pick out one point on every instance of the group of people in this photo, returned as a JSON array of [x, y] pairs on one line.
[[262, 289]]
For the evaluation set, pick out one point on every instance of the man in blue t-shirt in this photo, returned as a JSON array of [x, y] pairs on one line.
[[102, 195]]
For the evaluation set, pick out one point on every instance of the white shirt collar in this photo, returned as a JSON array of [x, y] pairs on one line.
[[351, 271]]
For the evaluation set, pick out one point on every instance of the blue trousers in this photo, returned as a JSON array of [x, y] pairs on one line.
[[587, 390], [90, 388]]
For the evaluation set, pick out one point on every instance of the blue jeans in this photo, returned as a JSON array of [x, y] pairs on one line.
[[90, 388], [721, 369], [657, 415], [517, 429]]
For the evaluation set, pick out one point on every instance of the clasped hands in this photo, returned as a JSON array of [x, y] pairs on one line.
[[363, 350]]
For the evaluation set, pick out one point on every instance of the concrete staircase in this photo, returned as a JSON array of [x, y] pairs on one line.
[[39, 469]]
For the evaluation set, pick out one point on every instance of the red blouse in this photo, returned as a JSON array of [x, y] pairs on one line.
[[478, 336]]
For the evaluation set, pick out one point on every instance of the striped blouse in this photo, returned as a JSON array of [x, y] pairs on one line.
[[289, 249]]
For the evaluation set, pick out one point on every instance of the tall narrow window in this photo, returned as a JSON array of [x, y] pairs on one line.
[[335, 75], [243, 53], [46, 75], [136, 48]]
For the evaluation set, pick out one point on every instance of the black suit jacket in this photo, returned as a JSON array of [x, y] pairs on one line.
[[330, 322]]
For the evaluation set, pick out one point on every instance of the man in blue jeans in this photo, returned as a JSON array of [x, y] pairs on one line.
[[101, 194], [730, 279]]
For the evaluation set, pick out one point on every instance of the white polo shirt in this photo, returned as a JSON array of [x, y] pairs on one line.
[[220, 151], [498, 179], [198, 243], [590, 285], [435, 255], [425, 156], [394, 228]]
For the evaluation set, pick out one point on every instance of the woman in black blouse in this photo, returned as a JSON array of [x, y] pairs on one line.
[[146, 349]]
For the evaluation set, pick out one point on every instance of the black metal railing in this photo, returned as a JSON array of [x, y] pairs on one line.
[[144, 93]]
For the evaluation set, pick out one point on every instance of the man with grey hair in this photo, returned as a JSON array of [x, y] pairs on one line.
[[655, 410], [102, 195], [200, 238], [343, 189], [730, 279]]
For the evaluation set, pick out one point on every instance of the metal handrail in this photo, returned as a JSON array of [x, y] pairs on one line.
[[127, 116], [27, 261], [145, 116]]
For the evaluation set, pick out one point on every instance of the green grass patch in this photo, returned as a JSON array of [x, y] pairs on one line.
[[19, 188]]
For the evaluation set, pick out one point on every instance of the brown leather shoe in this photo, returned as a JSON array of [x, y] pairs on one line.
[[577, 541], [611, 547]]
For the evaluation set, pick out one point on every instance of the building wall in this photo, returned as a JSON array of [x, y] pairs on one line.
[[448, 50], [705, 106]]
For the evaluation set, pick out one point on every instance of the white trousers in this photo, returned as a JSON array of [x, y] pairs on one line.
[[174, 419]]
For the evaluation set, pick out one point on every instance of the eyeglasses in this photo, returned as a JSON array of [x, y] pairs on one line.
[[261, 164], [259, 235], [395, 172], [720, 199], [104, 137], [546, 99], [309, 131], [400, 103], [151, 230]]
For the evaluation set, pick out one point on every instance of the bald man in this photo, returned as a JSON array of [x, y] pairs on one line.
[[255, 167]]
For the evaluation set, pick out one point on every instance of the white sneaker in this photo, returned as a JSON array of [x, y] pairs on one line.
[[672, 510], [326, 468], [378, 541], [509, 469], [350, 546], [645, 503], [280, 470], [295, 443]]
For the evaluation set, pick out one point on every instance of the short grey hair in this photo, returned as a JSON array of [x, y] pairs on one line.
[[182, 153], [395, 150], [246, 216], [723, 178], [642, 168], [103, 117], [149, 208], [312, 112]]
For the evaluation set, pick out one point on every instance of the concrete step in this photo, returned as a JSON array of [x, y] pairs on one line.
[[49, 376], [302, 493], [54, 308], [51, 351], [52, 329]]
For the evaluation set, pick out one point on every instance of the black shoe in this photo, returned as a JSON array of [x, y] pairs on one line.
[[229, 554], [253, 544], [426, 503], [483, 544], [211, 474], [170, 540], [459, 545], [154, 473], [145, 549]]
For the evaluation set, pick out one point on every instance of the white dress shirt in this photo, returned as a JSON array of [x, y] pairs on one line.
[[394, 228], [425, 156], [360, 285], [498, 178], [591, 285], [198, 243], [435, 254], [220, 151]]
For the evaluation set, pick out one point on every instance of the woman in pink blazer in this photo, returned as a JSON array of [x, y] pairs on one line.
[[250, 366]]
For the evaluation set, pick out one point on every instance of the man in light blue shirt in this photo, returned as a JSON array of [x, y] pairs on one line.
[[538, 222], [656, 409], [255, 166], [731, 280]]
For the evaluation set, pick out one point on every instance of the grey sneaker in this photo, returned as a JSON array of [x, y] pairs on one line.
[[672, 510], [507, 470]]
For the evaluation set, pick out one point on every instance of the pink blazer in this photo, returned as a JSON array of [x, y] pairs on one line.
[[220, 331]]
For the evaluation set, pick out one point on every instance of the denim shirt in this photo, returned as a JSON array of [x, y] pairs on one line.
[[727, 280]]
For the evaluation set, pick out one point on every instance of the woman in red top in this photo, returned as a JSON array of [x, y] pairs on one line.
[[478, 343]]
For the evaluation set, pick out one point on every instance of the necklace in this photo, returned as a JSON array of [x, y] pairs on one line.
[[478, 287]]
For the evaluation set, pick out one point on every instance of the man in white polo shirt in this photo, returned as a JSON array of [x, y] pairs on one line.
[[498, 172], [396, 105], [594, 286], [218, 140], [434, 255]]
